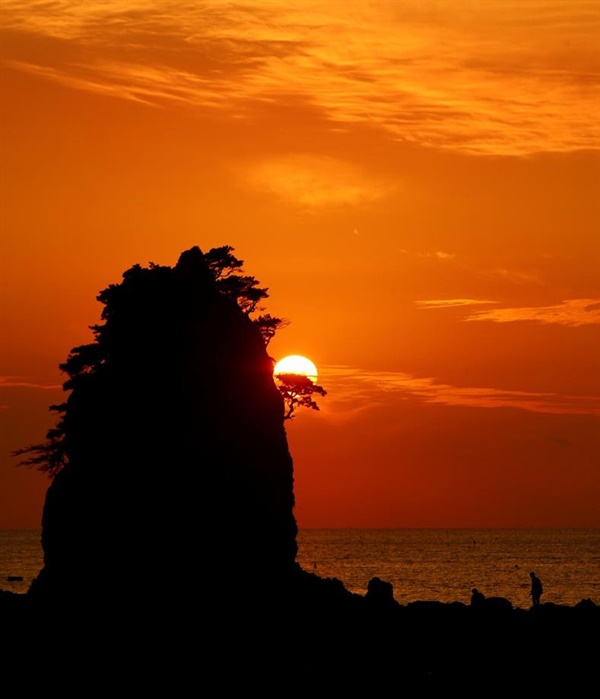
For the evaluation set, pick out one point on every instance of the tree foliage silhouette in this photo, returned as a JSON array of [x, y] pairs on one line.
[[86, 360], [227, 270], [297, 391]]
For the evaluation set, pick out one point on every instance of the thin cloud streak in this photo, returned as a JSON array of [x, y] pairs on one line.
[[506, 78], [570, 313], [437, 254], [513, 276], [25, 382], [7, 383], [354, 390], [451, 303]]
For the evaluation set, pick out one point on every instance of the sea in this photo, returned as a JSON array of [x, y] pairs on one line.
[[422, 564]]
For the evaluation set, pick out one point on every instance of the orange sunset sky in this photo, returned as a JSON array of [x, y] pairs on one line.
[[417, 184]]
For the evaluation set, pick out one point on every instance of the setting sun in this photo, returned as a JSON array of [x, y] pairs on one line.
[[296, 364]]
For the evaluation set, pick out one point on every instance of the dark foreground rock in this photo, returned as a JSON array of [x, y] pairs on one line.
[[318, 638]]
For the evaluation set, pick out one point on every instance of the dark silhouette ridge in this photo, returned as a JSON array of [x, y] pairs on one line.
[[170, 540]]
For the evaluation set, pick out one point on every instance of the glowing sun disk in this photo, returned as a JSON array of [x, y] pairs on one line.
[[296, 364]]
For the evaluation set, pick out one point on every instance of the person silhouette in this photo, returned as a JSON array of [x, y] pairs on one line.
[[536, 589], [477, 598]]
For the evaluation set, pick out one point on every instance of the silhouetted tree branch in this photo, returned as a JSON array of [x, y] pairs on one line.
[[50, 456], [227, 271], [268, 326], [222, 262], [297, 391]]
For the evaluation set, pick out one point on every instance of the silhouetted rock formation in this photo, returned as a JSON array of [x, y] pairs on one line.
[[380, 593], [178, 463]]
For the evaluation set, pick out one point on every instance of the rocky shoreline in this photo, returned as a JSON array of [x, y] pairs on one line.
[[318, 638]]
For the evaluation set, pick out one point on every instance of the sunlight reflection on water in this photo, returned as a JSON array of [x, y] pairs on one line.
[[421, 564], [445, 564]]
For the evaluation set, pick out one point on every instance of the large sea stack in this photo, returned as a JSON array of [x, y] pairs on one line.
[[178, 479]]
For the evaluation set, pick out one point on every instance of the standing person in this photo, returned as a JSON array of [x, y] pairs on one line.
[[477, 598], [536, 589]]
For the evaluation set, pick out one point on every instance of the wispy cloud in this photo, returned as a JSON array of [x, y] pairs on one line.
[[574, 312], [25, 382], [451, 303], [315, 181], [504, 78], [22, 382], [352, 390], [513, 276], [436, 254]]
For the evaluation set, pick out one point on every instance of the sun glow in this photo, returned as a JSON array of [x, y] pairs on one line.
[[296, 364]]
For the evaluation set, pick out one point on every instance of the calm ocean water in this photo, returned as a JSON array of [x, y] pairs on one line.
[[422, 564]]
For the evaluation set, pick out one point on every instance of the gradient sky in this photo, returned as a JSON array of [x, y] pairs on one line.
[[417, 184]]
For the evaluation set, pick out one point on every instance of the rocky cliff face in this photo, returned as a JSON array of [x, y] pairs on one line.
[[178, 471]]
